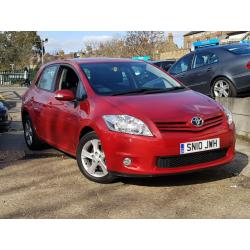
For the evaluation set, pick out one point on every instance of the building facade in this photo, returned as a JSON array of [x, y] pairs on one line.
[[223, 36], [170, 50]]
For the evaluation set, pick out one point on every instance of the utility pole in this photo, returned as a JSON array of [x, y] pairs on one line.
[[42, 43]]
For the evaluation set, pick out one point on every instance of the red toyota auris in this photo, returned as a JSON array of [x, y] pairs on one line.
[[121, 117]]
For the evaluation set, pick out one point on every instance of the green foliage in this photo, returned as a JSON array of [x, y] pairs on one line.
[[18, 47]]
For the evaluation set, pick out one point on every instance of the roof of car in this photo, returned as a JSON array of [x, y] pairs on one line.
[[92, 60], [226, 46], [158, 61], [99, 59]]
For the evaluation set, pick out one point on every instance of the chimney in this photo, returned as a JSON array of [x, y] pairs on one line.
[[170, 37]]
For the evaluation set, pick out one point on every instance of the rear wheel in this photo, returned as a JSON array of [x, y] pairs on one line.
[[222, 87], [91, 159], [31, 139]]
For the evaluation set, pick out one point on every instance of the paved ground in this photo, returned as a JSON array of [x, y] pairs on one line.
[[48, 184]]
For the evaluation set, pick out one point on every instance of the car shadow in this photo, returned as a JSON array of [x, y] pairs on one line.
[[229, 170]]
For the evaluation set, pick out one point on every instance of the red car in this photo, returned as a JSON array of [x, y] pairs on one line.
[[121, 117]]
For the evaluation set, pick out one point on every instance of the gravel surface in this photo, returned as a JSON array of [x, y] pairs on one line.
[[48, 184]]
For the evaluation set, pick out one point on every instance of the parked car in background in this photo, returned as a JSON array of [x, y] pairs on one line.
[[164, 64], [121, 117], [4, 116], [222, 71]]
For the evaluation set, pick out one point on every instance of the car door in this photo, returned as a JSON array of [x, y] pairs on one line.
[[202, 71], [43, 94], [67, 114], [180, 70]]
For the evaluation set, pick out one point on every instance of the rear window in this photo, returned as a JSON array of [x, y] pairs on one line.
[[240, 50]]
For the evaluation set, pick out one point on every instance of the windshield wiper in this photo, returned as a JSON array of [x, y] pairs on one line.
[[147, 91]]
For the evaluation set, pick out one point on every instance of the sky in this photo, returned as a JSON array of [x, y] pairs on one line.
[[73, 41]]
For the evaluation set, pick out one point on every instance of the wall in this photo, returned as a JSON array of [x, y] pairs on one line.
[[174, 54], [240, 107], [203, 35]]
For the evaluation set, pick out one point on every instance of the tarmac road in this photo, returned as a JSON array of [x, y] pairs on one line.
[[48, 184]]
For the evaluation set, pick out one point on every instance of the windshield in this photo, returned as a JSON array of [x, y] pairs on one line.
[[111, 78]]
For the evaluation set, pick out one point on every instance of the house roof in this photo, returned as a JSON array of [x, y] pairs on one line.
[[192, 33]]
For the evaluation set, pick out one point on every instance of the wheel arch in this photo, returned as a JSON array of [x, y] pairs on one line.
[[24, 114], [85, 130], [221, 76]]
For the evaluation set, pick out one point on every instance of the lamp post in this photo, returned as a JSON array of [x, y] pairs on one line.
[[42, 43], [12, 66]]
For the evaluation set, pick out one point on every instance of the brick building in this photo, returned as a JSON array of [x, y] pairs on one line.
[[170, 50], [224, 36]]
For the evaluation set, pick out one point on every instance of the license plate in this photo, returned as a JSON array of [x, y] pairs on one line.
[[198, 146]]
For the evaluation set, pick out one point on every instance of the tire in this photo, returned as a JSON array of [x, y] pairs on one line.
[[91, 159], [223, 87], [30, 136]]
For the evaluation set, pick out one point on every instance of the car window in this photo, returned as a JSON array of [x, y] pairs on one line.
[[80, 92], [205, 58], [107, 77], [68, 79], [182, 65], [110, 78], [166, 65], [47, 79], [240, 50]]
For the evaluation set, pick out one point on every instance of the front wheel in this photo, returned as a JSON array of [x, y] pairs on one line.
[[223, 87], [91, 159], [30, 136]]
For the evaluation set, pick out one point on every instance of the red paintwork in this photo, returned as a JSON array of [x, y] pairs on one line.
[[60, 124], [64, 95]]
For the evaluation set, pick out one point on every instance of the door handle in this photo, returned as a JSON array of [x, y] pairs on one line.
[[209, 69], [182, 75]]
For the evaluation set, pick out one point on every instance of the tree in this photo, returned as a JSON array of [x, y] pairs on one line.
[[18, 48], [134, 43], [140, 43]]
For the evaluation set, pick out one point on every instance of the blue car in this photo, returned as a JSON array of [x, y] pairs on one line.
[[4, 117], [222, 71]]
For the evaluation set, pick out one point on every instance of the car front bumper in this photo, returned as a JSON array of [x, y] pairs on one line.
[[146, 151]]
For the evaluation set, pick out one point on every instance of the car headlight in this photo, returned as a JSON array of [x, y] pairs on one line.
[[228, 114], [127, 124]]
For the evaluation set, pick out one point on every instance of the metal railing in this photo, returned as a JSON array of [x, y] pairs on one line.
[[15, 77]]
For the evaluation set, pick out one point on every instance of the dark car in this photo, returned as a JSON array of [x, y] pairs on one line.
[[222, 71], [164, 64], [4, 121]]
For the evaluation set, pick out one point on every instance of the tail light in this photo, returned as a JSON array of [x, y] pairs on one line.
[[248, 65]]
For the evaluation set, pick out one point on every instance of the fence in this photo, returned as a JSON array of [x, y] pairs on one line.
[[14, 77]]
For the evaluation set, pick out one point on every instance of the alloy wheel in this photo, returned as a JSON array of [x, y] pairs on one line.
[[221, 89], [28, 133], [93, 158]]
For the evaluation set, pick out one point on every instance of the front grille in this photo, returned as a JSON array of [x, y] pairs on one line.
[[190, 159], [188, 126]]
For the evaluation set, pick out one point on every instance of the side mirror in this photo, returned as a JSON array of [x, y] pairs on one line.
[[64, 95]]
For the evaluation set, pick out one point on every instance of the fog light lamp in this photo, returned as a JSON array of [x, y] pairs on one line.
[[127, 161]]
